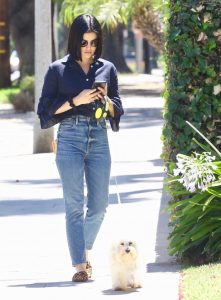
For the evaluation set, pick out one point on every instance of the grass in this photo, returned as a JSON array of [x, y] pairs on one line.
[[6, 94], [201, 283]]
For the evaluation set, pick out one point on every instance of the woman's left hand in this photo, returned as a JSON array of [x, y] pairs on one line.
[[102, 95], [103, 92]]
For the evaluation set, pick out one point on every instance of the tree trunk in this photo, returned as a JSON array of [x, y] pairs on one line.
[[113, 48], [22, 30], [150, 24], [43, 56], [147, 63], [4, 45], [53, 31], [150, 56]]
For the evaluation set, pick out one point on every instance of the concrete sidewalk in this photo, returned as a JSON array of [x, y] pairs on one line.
[[34, 259]]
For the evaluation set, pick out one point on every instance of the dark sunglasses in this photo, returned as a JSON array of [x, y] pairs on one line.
[[93, 43]]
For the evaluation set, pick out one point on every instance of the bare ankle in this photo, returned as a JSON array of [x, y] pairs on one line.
[[80, 267]]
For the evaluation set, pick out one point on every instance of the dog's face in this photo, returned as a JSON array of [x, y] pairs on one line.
[[126, 249]]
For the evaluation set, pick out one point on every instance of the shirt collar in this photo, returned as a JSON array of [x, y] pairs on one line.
[[69, 58]]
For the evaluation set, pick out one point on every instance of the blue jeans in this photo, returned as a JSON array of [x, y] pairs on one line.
[[83, 150]]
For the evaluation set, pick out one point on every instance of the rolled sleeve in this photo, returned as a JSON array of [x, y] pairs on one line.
[[113, 94], [50, 100]]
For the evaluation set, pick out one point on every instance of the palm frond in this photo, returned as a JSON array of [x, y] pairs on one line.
[[112, 13], [109, 12]]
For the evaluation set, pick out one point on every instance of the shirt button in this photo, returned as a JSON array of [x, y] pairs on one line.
[[91, 66], [87, 79]]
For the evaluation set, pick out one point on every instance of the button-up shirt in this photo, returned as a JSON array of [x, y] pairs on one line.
[[65, 79]]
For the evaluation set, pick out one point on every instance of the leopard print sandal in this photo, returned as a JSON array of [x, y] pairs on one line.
[[89, 269], [81, 276]]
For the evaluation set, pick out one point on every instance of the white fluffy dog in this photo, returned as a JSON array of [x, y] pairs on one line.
[[125, 265]]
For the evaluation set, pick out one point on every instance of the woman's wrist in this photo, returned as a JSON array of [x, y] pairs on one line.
[[66, 106], [108, 99], [72, 102], [111, 106]]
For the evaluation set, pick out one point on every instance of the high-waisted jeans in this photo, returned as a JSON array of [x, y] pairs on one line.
[[83, 150]]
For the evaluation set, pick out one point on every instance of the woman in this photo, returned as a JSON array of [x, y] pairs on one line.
[[82, 149]]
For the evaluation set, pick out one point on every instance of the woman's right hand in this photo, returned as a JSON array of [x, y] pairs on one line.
[[85, 97]]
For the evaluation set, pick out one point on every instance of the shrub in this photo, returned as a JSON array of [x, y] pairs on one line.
[[193, 75], [24, 101], [193, 93], [28, 84], [195, 219], [7, 94]]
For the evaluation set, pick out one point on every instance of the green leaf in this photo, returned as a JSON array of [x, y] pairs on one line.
[[203, 136], [216, 190], [208, 201], [211, 72], [206, 148], [211, 44], [202, 232]]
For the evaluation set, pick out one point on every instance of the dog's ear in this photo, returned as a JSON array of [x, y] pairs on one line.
[[135, 244]]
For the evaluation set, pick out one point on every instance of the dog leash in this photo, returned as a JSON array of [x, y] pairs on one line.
[[117, 191]]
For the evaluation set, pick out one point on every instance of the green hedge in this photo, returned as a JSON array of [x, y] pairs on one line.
[[192, 93], [193, 75]]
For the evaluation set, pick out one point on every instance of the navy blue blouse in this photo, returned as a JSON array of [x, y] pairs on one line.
[[65, 79]]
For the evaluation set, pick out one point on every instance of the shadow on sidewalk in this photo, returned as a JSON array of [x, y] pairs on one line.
[[62, 284], [135, 178], [111, 292], [132, 196], [31, 207], [54, 182], [48, 284], [141, 117], [49, 206], [56, 206], [125, 90], [10, 113]]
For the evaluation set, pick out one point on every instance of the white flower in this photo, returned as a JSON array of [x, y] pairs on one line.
[[217, 89], [191, 97], [208, 80], [176, 172], [200, 7], [217, 32], [202, 37], [195, 171], [207, 17]]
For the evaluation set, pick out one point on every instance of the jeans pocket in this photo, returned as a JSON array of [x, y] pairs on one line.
[[68, 123]]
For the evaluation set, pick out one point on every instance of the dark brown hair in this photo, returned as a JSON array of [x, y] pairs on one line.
[[83, 24]]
